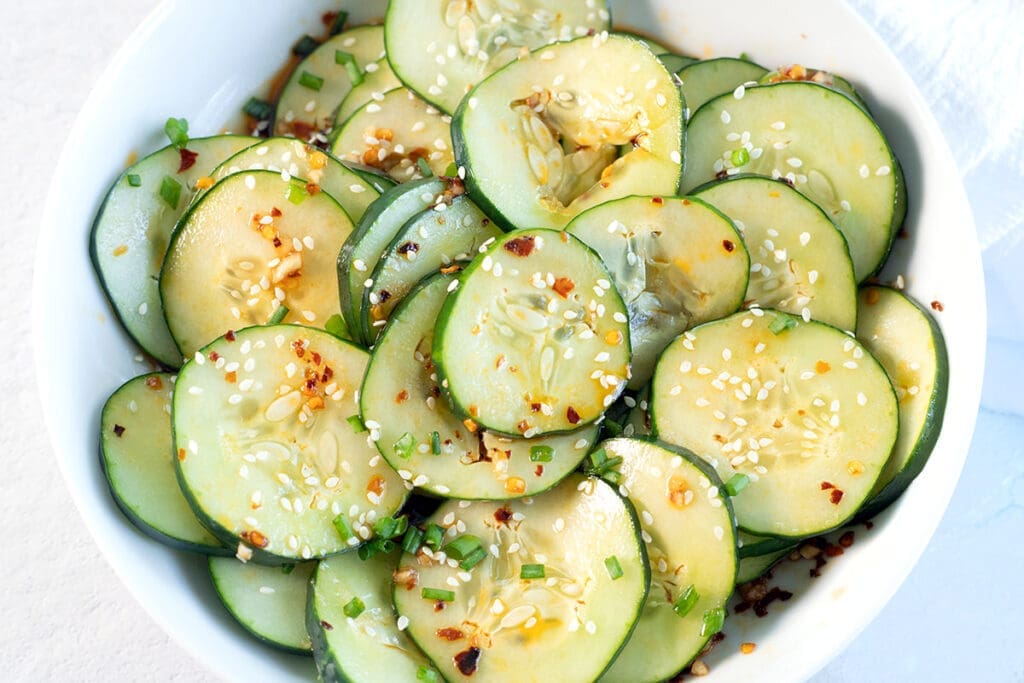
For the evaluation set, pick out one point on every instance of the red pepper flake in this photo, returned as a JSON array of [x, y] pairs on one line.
[[563, 286], [450, 634], [181, 454], [230, 377], [154, 383], [821, 367], [312, 189], [502, 515], [534, 407], [188, 159], [255, 538], [402, 397], [571, 415], [657, 200], [406, 577], [118, 430], [327, 626], [440, 605], [454, 268], [298, 348], [846, 540], [937, 306], [833, 550], [728, 245], [523, 426], [276, 212], [408, 248], [214, 356], [836, 496], [520, 246], [467, 661], [375, 485], [539, 471], [825, 486], [869, 525], [229, 336]]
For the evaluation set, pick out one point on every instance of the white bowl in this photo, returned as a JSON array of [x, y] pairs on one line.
[[202, 60]]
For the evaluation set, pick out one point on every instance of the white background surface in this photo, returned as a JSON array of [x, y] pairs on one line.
[[959, 615]]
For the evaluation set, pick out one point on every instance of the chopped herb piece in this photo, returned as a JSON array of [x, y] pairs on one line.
[[737, 483], [433, 536], [687, 599], [532, 571], [424, 168], [356, 423], [296, 193], [745, 56], [311, 81], [305, 46], [613, 427], [714, 619], [425, 673], [374, 547], [336, 326], [462, 546], [613, 567], [390, 527], [739, 157], [781, 323], [435, 443], [412, 540], [341, 523], [405, 445], [279, 314], [438, 594], [601, 464], [452, 171], [339, 23], [261, 110], [355, 74], [134, 180], [287, 568], [177, 131], [170, 191], [353, 608], [473, 559], [541, 453]]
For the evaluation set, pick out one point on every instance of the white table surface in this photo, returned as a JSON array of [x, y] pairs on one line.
[[958, 616]]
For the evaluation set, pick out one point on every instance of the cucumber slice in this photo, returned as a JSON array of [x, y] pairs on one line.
[[797, 72], [322, 80], [800, 261], [909, 345], [676, 63], [421, 438], [136, 454], [442, 48], [375, 83], [754, 546], [375, 231], [425, 244], [816, 405], [368, 647], [298, 159], [376, 178], [822, 143], [537, 315], [394, 133], [676, 261], [704, 80], [691, 547], [280, 473], [268, 602], [252, 243], [568, 625], [130, 236], [755, 566], [540, 138]]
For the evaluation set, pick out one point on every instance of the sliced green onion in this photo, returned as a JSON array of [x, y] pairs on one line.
[[311, 81], [377, 545], [305, 46], [781, 323], [405, 445], [532, 571], [338, 25], [687, 599], [261, 110], [462, 546], [356, 423], [424, 167], [336, 326], [714, 619], [134, 180], [438, 594], [353, 608], [355, 74], [541, 453], [435, 443], [739, 157], [279, 314], [737, 483], [170, 191], [287, 568], [177, 131], [601, 463], [390, 527], [341, 523], [452, 171], [613, 427], [613, 567], [296, 193], [411, 541], [473, 559], [433, 536], [426, 674]]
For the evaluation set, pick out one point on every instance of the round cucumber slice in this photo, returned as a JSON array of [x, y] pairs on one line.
[[909, 345], [819, 141], [268, 602], [691, 546], [705, 79], [253, 242], [540, 138], [353, 624], [429, 445], [135, 445], [800, 262], [281, 473], [797, 410], [798, 72], [567, 624], [394, 133], [442, 48], [297, 159], [676, 261], [755, 566], [535, 315]]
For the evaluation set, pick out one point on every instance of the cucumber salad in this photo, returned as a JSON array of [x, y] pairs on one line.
[[506, 344]]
